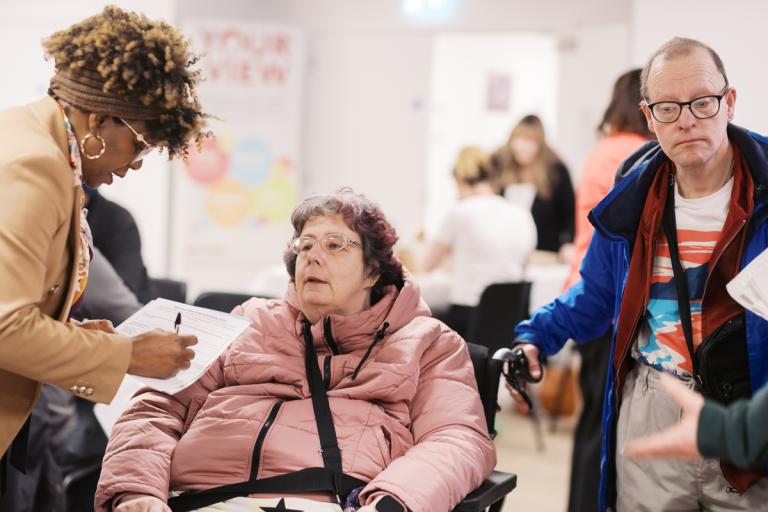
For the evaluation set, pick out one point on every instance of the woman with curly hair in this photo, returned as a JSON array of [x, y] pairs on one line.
[[344, 394], [123, 86]]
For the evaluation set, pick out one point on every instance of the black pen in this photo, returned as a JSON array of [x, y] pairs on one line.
[[177, 322]]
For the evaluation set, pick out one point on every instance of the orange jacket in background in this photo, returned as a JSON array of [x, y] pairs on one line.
[[596, 181]]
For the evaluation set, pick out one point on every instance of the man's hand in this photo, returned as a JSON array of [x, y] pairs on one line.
[[679, 441], [532, 353], [160, 354], [97, 325], [142, 503]]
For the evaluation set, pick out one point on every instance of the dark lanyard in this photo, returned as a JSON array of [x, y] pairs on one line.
[[681, 281], [329, 478], [329, 446]]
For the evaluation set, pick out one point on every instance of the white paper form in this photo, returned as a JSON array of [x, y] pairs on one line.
[[750, 286], [214, 330]]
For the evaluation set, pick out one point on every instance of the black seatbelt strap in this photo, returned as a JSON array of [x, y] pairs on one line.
[[681, 281], [329, 447], [305, 480], [330, 478]]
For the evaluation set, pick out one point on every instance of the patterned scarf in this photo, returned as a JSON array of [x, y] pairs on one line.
[[86, 240]]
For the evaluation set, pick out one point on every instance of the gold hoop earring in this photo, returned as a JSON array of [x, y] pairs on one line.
[[98, 138]]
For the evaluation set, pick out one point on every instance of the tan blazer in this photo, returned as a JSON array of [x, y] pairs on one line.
[[39, 229]]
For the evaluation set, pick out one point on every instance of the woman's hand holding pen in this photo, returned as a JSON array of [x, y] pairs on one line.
[[160, 354]]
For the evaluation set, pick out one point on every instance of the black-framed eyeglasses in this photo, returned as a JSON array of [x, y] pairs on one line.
[[143, 147], [331, 243], [702, 107]]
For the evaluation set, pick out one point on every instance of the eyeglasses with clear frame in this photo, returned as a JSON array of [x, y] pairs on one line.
[[144, 149], [332, 243], [702, 107]]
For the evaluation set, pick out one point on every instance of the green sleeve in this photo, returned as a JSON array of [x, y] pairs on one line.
[[736, 433]]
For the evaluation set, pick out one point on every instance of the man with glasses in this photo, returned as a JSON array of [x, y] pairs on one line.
[[704, 182]]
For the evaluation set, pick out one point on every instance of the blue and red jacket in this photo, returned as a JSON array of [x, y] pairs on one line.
[[615, 275]]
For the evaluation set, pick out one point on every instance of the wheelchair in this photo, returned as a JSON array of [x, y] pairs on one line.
[[489, 496]]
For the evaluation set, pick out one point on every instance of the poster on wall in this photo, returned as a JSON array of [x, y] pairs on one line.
[[232, 201]]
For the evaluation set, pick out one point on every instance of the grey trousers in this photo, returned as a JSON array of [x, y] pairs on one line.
[[669, 485]]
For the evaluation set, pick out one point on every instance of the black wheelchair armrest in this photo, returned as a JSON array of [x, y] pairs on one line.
[[494, 488]]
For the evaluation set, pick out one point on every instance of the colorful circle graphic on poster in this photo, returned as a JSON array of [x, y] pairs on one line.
[[228, 202], [274, 200], [251, 161], [210, 164]]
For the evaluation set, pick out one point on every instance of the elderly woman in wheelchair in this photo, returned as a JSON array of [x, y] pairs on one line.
[[345, 395]]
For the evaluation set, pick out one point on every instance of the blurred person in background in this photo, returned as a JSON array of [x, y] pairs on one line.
[[487, 239], [123, 86], [116, 235], [623, 129], [533, 176]]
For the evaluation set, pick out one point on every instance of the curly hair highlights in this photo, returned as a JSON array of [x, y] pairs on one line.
[[363, 217], [137, 61]]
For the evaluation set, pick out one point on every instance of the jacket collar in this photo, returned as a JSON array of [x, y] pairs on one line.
[[47, 112], [618, 215], [352, 332]]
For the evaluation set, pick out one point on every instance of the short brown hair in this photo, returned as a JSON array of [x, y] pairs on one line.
[[675, 47]]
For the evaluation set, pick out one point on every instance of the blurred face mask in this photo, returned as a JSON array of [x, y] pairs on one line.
[[524, 149]]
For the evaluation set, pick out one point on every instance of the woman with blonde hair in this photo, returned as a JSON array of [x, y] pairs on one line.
[[477, 237], [533, 176]]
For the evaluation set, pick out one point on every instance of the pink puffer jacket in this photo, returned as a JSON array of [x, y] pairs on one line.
[[411, 422]]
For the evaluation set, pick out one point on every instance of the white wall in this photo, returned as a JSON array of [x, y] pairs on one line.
[[25, 79], [735, 30], [368, 96], [368, 16], [366, 118], [459, 115], [591, 58]]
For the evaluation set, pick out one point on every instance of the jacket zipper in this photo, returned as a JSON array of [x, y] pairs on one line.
[[634, 327], [717, 258], [260, 439], [327, 372], [329, 336]]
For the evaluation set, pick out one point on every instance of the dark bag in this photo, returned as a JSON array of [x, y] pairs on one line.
[[721, 362]]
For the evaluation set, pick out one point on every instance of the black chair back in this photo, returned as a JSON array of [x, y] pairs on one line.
[[501, 307], [221, 301], [169, 289], [487, 374]]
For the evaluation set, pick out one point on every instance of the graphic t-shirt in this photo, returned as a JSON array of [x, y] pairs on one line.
[[661, 343]]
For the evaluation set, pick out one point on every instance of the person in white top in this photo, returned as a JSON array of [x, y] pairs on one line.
[[487, 238]]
